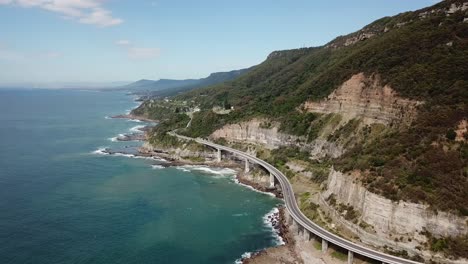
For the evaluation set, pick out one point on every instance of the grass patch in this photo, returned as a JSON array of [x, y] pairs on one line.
[[339, 255]]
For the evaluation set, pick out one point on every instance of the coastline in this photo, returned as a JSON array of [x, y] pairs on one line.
[[276, 218], [134, 117]]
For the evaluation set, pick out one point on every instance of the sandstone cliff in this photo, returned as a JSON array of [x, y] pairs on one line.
[[252, 132], [364, 102], [366, 98], [183, 153], [397, 224]]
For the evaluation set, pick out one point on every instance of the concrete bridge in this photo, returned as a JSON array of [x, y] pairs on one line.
[[296, 216]]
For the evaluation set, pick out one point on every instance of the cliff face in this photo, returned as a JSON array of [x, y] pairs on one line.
[[253, 133], [182, 153], [379, 222], [366, 98], [382, 222], [392, 218]]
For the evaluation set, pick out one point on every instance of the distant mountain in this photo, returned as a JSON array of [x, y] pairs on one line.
[[151, 85], [168, 87]]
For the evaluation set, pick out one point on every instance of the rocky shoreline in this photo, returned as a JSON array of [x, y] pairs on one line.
[[134, 117], [165, 159]]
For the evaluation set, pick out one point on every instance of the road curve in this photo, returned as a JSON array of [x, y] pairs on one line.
[[298, 216]]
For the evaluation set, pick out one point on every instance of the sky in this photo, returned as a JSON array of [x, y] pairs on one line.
[[97, 41]]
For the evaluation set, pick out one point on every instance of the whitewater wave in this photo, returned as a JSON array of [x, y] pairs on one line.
[[151, 158], [136, 128], [100, 151], [115, 139], [157, 167], [134, 120], [252, 188], [103, 151], [118, 154], [246, 255], [108, 117], [182, 169], [269, 220], [221, 172]]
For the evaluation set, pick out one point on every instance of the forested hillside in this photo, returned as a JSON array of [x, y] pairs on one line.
[[421, 55]]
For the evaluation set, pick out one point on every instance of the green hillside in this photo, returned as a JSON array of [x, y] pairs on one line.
[[423, 55]]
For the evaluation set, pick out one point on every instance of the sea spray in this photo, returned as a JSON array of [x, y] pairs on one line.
[[136, 128], [244, 256], [207, 169], [105, 151], [101, 151], [116, 139], [271, 221], [252, 188]]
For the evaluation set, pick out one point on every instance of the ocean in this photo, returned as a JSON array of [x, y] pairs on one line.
[[61, 201]]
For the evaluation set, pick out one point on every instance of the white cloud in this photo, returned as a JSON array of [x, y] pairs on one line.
[[123, 42], [83, 11], [101, 17], [143, 53], [138, 52]]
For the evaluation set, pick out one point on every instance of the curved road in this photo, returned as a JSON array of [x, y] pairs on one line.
[[299, 217]]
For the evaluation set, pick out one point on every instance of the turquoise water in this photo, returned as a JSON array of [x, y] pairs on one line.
[[60, 203]]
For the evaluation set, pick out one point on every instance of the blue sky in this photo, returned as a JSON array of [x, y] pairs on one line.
[[43, 41]]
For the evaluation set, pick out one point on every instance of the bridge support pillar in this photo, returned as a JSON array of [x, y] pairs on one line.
[[306, 235], [272, 180], [289, 218], [247, 167], [218, 155], [324, 245], [350, 257], [294, 227]]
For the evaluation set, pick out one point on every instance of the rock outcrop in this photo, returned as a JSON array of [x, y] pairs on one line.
[[366, 98], [389, 217], [252, 132], [181, 153], [400, 225]]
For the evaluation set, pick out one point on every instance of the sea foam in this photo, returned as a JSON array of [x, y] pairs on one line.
[[268, 221], [134, 120], [100, 151], [246, 255], [136, 128], [115, 139], [252, 188], [206, 169]]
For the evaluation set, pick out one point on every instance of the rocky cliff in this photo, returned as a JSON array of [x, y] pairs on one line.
[[366, 98], [363, 101], [254, 132], [381, 222], [183, 153]]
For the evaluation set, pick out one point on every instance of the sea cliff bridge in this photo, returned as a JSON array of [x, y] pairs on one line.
[[308, 227]]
